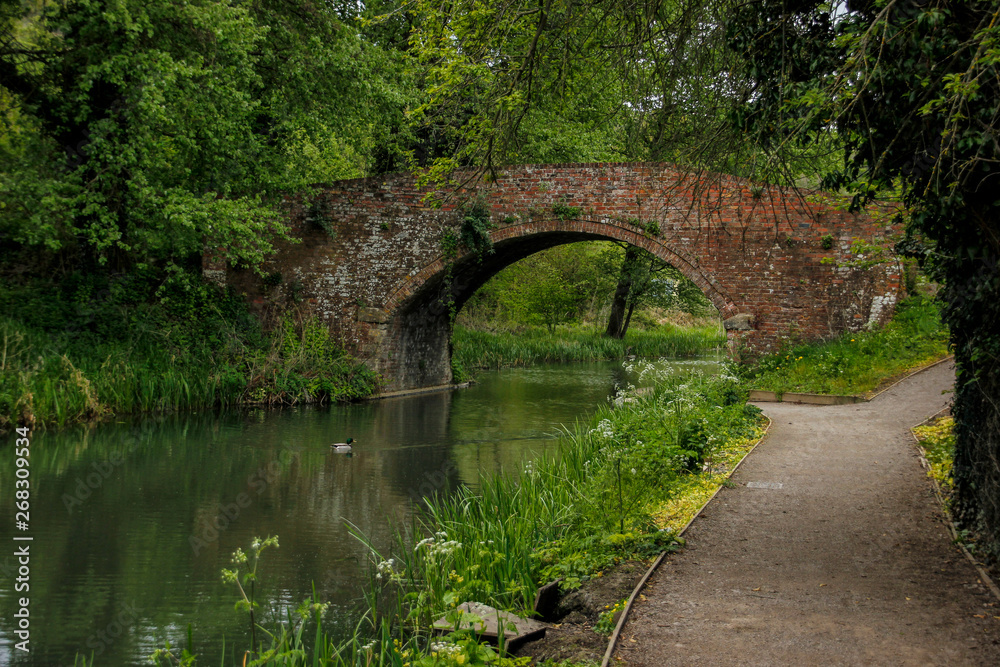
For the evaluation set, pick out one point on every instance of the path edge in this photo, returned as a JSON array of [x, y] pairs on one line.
[[908, 375], [613, 641], [767, 396], [949, 520]]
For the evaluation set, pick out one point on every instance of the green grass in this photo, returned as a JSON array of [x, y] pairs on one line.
[[67, 356], [482, 349], [857, 363], [52, 381]]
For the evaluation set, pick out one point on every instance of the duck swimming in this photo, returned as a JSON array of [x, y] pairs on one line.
[[342, 446]]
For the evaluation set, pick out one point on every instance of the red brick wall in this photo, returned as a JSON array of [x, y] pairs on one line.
[[370, 259]]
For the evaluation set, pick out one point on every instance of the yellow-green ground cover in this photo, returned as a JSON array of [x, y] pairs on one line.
[[937, 439], [691, 493]]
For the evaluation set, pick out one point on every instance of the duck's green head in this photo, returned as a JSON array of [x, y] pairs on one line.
[[350, 440]]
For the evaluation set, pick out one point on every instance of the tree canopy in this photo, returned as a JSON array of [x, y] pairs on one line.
[[132, 131], [562, 79]]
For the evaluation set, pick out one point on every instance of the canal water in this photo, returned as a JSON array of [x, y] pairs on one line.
[[133, 521]]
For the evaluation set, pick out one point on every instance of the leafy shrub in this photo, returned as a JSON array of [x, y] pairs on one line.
[[608, 619], [476, 227]]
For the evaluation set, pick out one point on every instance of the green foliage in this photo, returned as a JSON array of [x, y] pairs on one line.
[[483, 349], [94, 344], [859, 362], [606, 622], [459, 373], [165, 656], [476, 226], [909, 90], [130, 143], [285, 646], [564, 211], [497, 544], [656, 283], [574, 283], [937, 439], [318, 214], [514, 81], [561, 517], [244, 576], [548, 288]]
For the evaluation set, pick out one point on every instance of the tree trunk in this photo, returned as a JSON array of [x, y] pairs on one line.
[[616, 320], [628, 318], [972, 297]]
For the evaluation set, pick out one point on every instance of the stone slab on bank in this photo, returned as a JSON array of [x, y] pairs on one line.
[[488, 623], [761, 396]]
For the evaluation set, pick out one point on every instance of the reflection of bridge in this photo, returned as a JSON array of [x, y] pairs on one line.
[[371, 260]]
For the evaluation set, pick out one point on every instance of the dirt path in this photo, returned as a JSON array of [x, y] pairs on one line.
[[848, 563]]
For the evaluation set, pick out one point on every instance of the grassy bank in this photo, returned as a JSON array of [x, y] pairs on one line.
[[93, 347], [483, 349], [857, 363], [569, 517]]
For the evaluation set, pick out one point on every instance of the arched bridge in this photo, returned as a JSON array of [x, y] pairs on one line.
[[372, 259]]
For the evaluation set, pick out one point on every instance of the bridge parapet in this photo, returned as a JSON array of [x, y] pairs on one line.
[[372, 259]]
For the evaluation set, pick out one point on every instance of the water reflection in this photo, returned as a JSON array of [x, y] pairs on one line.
[[132, 522]]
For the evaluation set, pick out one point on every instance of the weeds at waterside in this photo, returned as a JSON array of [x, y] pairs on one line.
[[483, 349], [567, 517], [859, 362], [77, 356]]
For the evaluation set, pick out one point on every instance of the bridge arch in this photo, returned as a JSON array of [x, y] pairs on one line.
[[423, 307], [370, 259], [515, 242]]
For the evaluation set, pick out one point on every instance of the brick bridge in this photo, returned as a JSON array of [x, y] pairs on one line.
[[777, 265]]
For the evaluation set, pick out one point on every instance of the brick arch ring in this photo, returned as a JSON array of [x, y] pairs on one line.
[[584, 229]]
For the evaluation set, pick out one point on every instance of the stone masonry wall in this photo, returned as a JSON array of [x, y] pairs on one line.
[[370, 260]]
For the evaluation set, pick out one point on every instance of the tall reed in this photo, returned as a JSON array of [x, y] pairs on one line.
[[566, 516], [59, 378], [483, 349]]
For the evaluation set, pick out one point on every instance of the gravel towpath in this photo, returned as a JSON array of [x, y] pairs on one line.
[[849, 562]]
